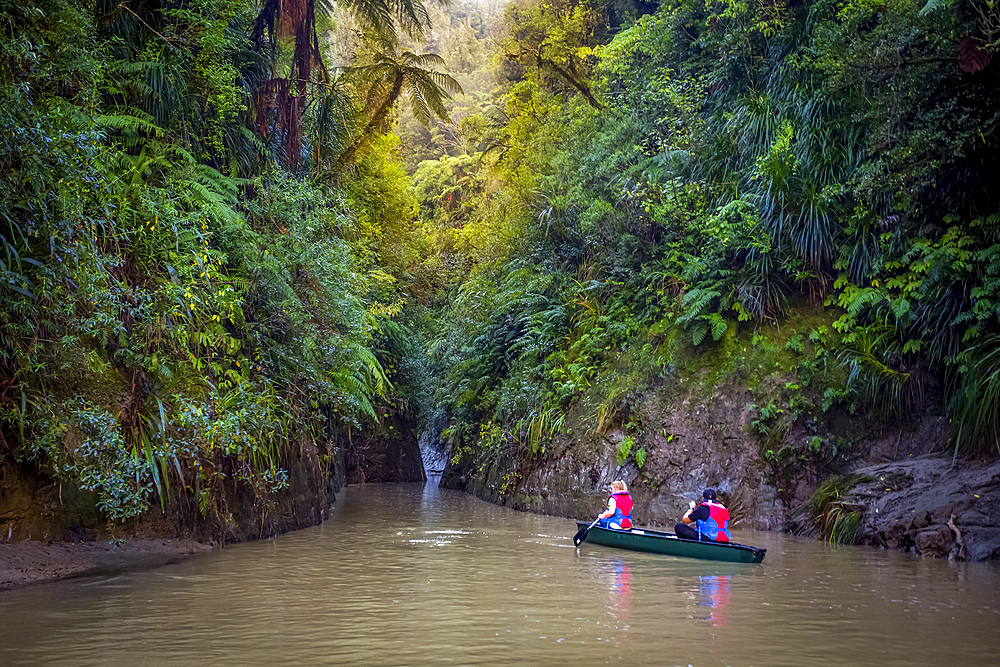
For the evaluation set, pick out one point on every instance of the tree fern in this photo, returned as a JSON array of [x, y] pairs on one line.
[[399, 73]]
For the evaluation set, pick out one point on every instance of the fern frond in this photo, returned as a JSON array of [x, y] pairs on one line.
[[135, 122]]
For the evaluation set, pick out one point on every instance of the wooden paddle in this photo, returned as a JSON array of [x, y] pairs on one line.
[[582, 535]]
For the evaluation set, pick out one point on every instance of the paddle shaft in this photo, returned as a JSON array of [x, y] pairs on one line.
[[582, 535]]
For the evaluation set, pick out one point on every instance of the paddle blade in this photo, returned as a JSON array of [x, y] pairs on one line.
[[581, 536]]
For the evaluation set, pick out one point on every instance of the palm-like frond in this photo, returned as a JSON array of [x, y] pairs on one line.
[[378, 17], [132, 123], [331, 116], [393, 75], [879, 374], [975, 404], [158, 86]]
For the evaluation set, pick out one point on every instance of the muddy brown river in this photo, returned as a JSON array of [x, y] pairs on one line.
[[410, 574]]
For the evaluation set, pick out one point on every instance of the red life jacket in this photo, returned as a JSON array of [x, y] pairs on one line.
[[623, 510], [717, 526]]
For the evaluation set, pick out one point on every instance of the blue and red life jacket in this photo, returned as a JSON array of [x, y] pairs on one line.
[[623, 510], [716, 527]]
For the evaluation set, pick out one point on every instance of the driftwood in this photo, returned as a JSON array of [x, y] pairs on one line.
[[958, 537]]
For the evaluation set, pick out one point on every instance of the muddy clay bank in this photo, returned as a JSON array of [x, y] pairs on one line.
[[31, 562]]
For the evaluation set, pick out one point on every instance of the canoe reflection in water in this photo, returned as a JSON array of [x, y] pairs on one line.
[[714, 593], [621, 591]]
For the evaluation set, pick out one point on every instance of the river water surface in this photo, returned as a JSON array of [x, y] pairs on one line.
[[408, 574]]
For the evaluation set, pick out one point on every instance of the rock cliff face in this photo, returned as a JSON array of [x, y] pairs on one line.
[[692, 438], [707, 432], [693, 445], [33, 506], [389, 452]]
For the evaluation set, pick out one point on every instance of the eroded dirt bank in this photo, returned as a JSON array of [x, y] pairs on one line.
[[51, 530]]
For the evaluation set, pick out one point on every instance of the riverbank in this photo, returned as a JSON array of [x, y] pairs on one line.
[[923, 505], [31, 562], [76, 540]]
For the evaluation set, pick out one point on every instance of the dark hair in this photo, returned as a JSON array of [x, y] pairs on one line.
[[708, 494]]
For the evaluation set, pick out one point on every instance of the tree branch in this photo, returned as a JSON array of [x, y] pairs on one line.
[[122, 5]]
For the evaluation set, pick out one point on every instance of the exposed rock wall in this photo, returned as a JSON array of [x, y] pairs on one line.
[[692, 438], [389, 452], [928, 506], [33, 506], [703, 434]]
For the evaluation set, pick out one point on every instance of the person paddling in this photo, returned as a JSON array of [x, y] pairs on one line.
[[711, 519], [618, 515]]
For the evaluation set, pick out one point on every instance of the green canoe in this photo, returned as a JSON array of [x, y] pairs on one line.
[[667, 543]]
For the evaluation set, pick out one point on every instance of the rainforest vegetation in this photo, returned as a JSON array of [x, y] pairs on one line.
[[233, 232]]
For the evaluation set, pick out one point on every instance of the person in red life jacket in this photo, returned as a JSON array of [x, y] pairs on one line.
[[710, 519], [619, 512]]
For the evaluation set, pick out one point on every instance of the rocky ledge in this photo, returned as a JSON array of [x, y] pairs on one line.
[[924, 505]]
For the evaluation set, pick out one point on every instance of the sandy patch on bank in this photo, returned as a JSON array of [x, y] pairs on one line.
[[30, 562]]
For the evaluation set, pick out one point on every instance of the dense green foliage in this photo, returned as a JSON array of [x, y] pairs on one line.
[[177, 309], [707, 173], [215, 256]]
